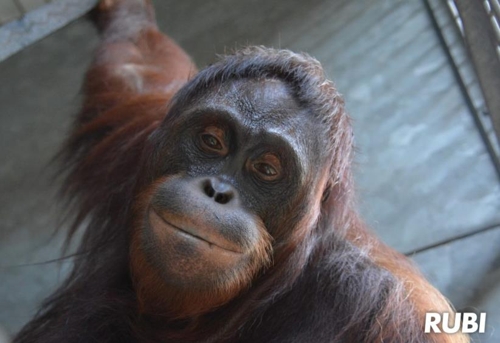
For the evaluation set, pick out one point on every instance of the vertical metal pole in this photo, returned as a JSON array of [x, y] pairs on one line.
[[463, 88]]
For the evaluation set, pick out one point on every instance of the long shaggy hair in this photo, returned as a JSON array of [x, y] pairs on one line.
[[324, 263]]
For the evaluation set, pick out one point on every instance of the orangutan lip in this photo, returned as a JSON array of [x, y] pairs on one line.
[[210, 244]]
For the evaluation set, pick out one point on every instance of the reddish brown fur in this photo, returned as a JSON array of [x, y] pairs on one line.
[[129, 88]]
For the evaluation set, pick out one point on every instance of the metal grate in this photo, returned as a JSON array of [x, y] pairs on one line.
[[456, 16], [449, 26], [493, 10]]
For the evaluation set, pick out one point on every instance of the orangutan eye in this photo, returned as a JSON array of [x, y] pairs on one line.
[[211, 141], [267, 167]]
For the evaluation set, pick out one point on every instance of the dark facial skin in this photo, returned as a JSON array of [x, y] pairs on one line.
[[238, 157]]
